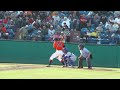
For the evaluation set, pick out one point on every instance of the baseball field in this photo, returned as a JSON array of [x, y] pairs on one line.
[[40, 71]]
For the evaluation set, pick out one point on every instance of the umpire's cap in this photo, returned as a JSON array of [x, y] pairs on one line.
[[81, 45]]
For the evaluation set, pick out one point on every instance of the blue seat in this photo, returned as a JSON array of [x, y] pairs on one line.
[[84, 30], [105, 41], [102, 35], [92, 25], [91, 29], [47, 37], [92, 40]]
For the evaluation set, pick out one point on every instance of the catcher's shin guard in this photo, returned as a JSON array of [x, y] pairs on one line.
[[71, 62], [66, 63]]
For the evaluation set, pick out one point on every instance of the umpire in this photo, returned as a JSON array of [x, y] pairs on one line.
[[84, 55]]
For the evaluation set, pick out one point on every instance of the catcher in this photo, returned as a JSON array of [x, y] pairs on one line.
[[69, 58]]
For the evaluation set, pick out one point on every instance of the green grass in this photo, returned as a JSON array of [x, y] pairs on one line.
[[57, 72]]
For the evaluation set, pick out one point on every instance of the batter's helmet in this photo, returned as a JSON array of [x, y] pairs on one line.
[[56, 39]]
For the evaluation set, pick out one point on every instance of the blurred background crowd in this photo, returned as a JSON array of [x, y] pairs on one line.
[[98, 27]]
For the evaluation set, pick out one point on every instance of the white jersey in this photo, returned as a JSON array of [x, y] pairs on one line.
[[72, 56], [85, 52]]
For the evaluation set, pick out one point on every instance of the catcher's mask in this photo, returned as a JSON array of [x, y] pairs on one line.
[[65, 50]]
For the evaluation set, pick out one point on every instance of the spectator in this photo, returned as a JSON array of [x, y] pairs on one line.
[[94, 34], [100, 28], [3, 29], [107, 25], [116, 13], [67, 34], [75, 25], [87, 35], [5, 20], [83, 21], [117, 20], [51, 32], [66, 21], [48, 18], [59, 29], [44, 32], [23, 32], [56, 17], [115, 26], [113, 39], [96, 20], [103, 19]]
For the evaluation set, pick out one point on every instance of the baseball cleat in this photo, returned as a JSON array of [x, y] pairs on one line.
[[71, 66], [89, 67], [79, 67], [48, 66], [63, 66]]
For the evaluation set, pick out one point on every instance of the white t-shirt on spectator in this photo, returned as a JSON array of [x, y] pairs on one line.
[[51, 32], [67, 23], [90, 12], [115, 27], [18, 12], [88, 33], [117, 20], [107, 25], [56, 18], [116, 13], [112, 20], [85, 52]]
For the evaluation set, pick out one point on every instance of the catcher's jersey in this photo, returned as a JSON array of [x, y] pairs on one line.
[[71, 55], [58, 45]]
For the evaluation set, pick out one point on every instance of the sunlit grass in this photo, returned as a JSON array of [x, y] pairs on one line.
[[57, 72]]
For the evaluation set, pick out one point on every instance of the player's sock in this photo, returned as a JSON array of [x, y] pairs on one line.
[[62, 62], [50, 62]]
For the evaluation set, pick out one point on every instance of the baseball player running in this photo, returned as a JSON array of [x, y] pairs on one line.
[[68, 58], [58, 45], [85, 55]]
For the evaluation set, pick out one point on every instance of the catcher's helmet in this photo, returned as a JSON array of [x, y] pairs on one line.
[[65, 50]]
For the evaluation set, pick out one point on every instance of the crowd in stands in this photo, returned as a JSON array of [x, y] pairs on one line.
[[99, 27]]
